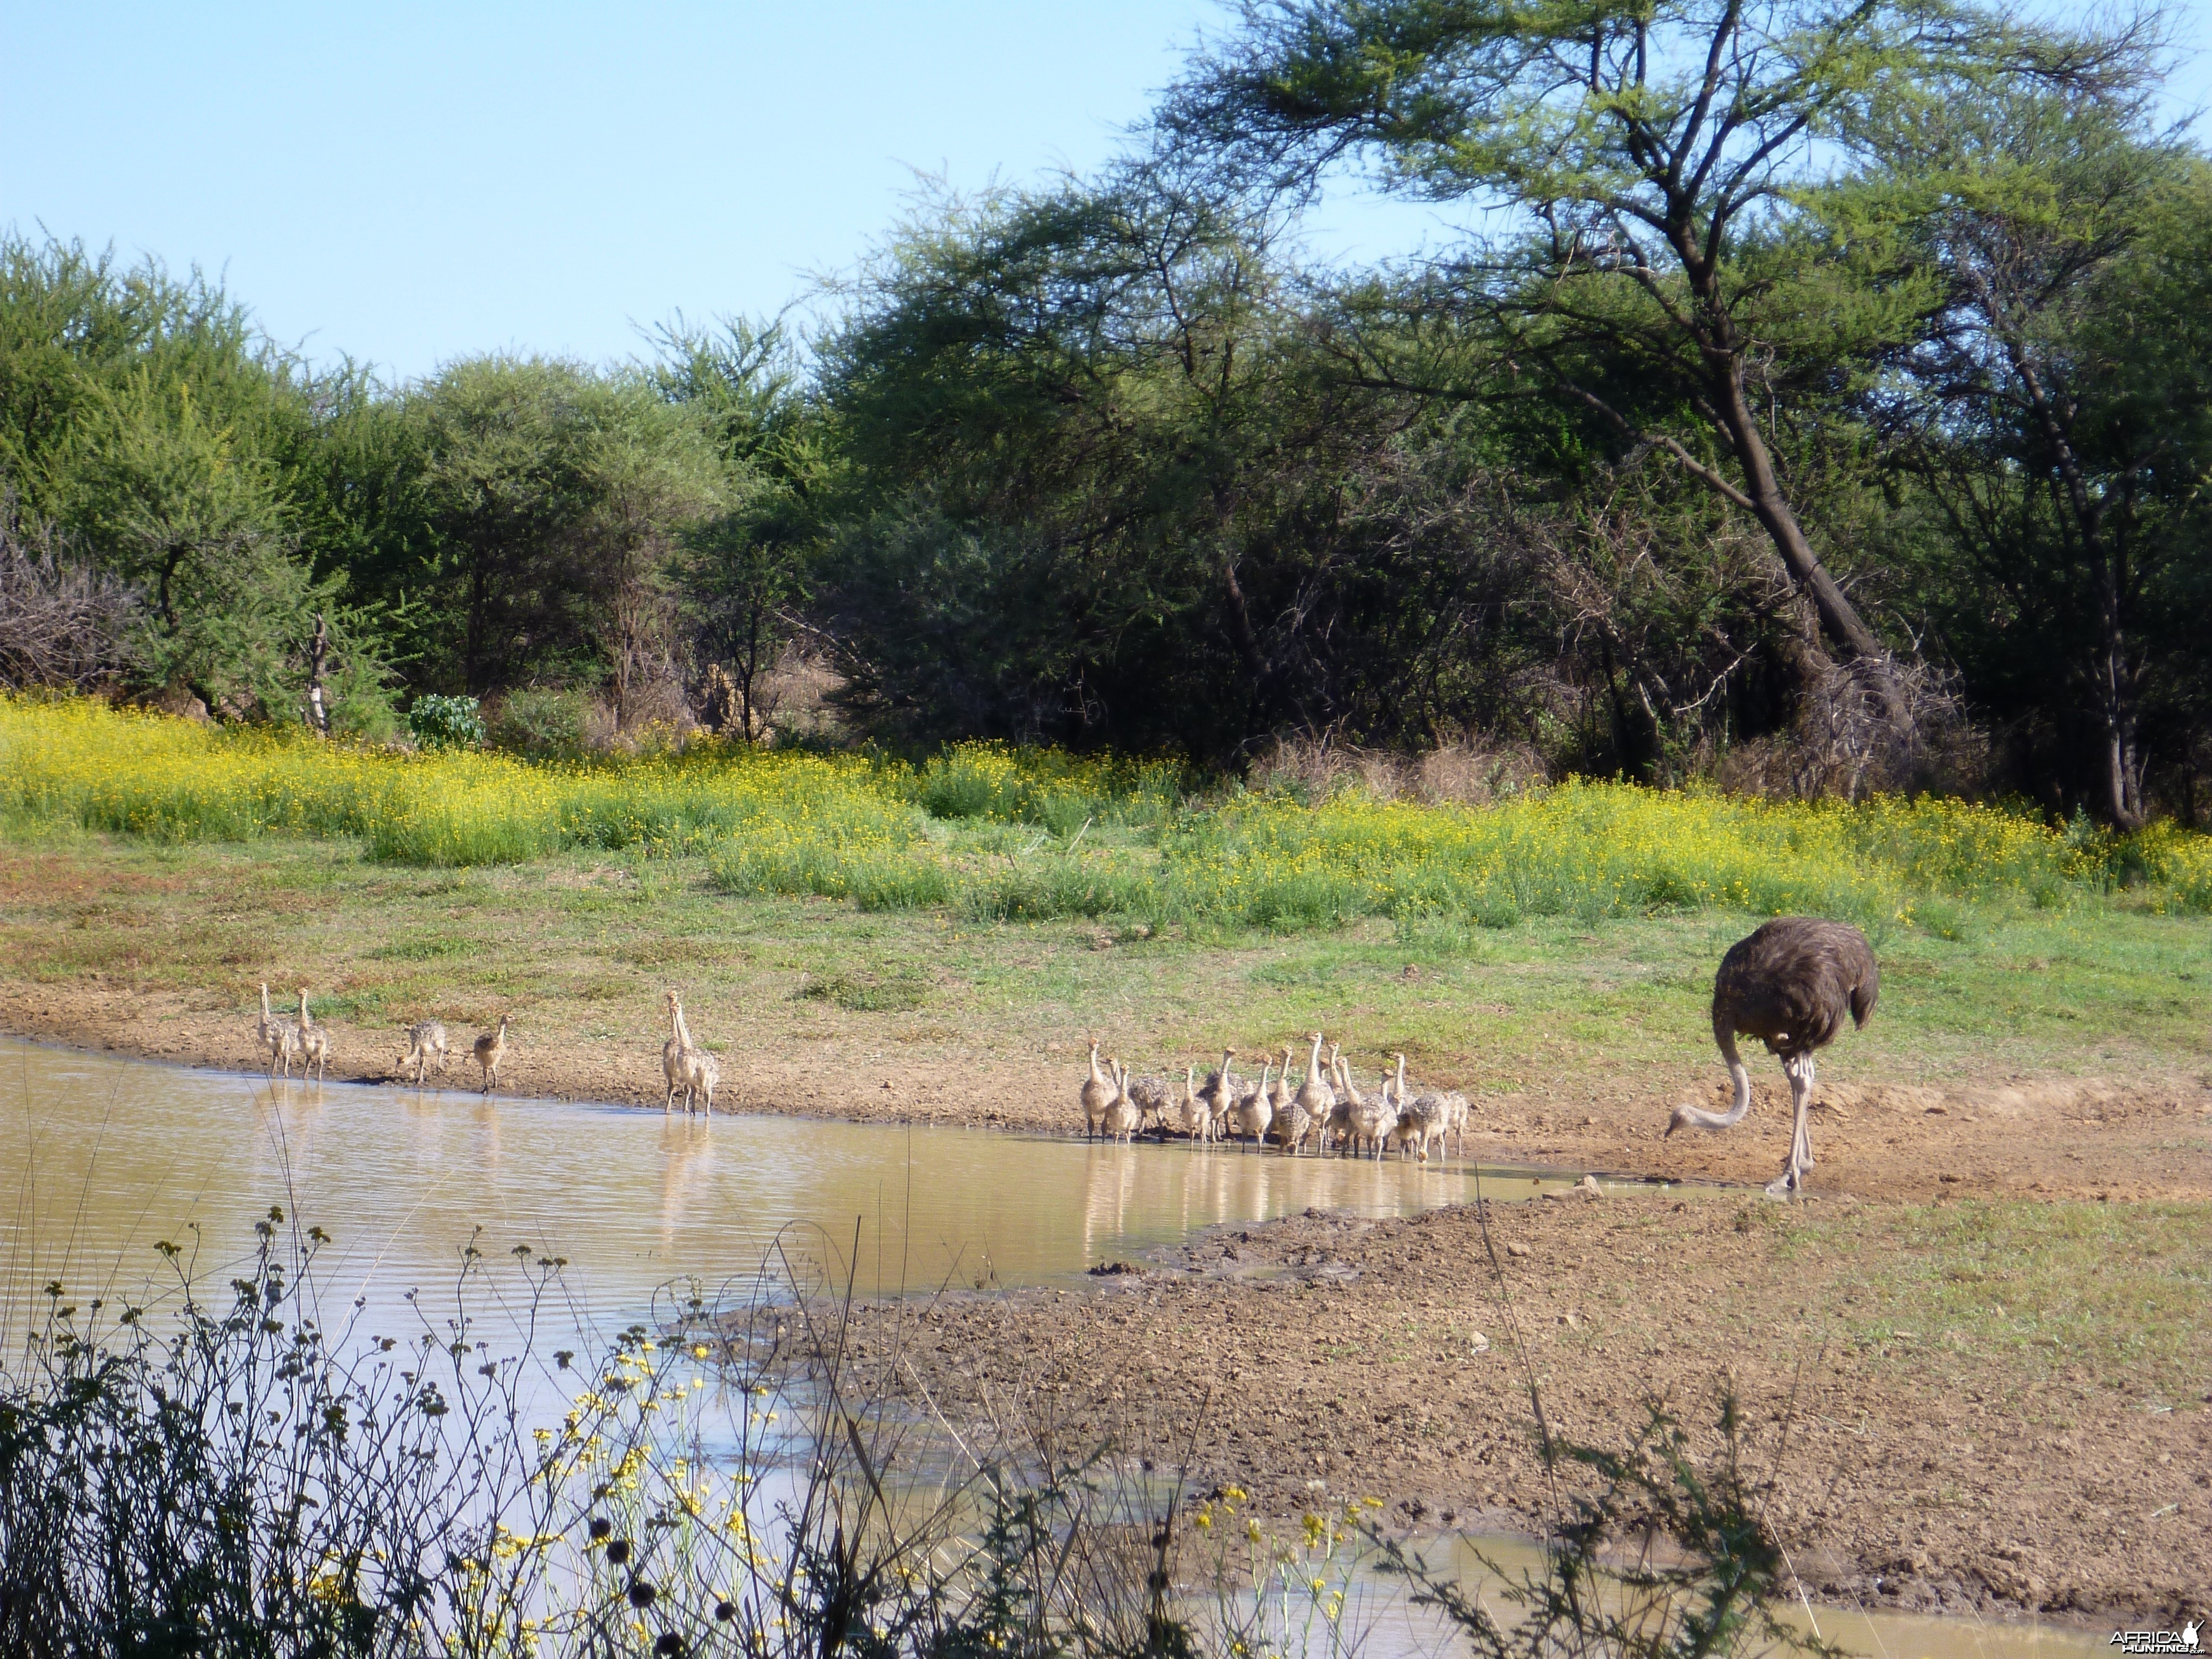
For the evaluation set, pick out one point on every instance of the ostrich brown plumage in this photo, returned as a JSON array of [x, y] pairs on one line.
[[1790, 985]]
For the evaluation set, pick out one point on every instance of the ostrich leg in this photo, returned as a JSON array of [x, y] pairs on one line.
[[1792, 1179], [1805, 1129]]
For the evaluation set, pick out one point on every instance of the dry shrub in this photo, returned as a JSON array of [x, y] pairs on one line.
[[180, 701], [1476, 772], [657, 702], [64, 623], [1846, 743], [798, 696], [793, 698], [1470, 770]]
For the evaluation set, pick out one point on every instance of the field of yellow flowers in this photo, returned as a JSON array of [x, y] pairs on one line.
[[1036, 835]]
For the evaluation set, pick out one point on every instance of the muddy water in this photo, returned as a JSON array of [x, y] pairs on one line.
[[1395, 1629], [100, 1158]]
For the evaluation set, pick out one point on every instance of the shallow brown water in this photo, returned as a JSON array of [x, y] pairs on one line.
[[100, 1158], [1395, 1629]]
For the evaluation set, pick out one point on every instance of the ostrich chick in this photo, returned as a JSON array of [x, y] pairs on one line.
[[1790, 985]]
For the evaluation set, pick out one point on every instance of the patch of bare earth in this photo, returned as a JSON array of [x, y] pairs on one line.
[[1389, 1358]]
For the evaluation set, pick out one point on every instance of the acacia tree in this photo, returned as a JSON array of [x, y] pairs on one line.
[[749, 572], [179, 508], [2058, 410], [1651, 156], [1063, 418]]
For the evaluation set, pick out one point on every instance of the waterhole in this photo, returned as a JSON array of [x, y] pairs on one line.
[[103, 1159]]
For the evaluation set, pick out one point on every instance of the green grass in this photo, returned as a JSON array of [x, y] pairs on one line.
[[2092, 988], [2112, 1295]]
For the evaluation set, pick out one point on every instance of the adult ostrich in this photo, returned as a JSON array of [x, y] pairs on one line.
[[1790, 984]]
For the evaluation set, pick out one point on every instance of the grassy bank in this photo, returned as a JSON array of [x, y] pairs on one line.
[[992, 835], [579, 946]]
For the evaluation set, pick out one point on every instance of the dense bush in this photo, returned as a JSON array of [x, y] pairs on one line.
[[439, 722], [545, 724]]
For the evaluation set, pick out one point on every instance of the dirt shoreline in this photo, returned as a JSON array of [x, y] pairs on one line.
[[2141, 1137], [1387, 1359]]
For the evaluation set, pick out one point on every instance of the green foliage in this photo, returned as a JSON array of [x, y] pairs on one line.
[[439, 722], [1717, 457], [143, 416], [551, 500], [2061, 417], [1106, 482]]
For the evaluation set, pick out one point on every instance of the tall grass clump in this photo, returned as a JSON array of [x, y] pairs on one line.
[[1020, 835], [1049, 788]]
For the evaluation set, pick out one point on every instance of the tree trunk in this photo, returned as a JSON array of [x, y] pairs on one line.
[[1247, 638], [1839, 618], [319, 648], [2120, 764], [2121, 782]]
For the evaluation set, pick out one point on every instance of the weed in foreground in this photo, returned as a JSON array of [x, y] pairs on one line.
[[1665, 1556]]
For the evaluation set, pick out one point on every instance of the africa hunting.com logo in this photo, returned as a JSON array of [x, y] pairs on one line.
[[2183, 1640]]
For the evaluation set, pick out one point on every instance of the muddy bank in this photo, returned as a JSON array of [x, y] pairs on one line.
[[2140, 1137], [1926, 1468]]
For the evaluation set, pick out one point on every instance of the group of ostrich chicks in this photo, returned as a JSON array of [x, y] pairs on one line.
[[1326, 1107], [691, 1071], [1792, 984], [283, 1040]]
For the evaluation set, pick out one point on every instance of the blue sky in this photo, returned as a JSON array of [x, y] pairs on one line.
[[409, 183]]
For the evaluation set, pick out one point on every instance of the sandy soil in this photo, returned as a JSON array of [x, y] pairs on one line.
[[1389, 1358], [2124, 1138]]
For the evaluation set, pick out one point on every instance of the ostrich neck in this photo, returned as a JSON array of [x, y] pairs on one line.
[[1737, 1076]]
